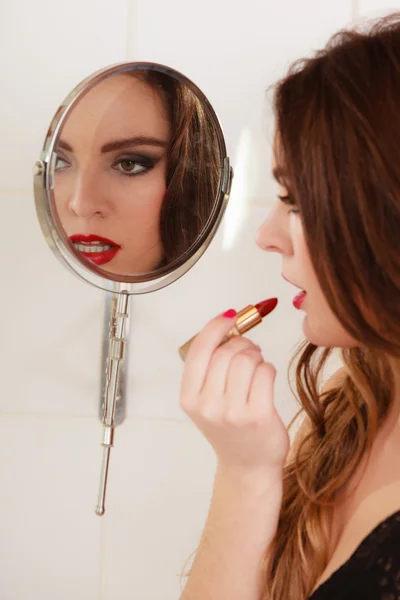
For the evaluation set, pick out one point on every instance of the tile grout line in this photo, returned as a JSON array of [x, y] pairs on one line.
[[32, 416]]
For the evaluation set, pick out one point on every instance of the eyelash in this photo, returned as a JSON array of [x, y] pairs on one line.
[[289, 200]]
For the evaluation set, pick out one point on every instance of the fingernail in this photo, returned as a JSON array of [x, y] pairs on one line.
[[229, 314]]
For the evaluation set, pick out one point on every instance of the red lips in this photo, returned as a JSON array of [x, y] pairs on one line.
[[299, 299], [98, 258], [83, 237]]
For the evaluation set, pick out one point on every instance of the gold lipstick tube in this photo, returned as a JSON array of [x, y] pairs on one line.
[[246, 319]]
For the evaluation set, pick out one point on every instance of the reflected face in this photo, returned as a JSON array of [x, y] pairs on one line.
[[283, 232], [110, 178]]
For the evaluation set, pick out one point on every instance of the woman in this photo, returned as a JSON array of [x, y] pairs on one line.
[[323, 520], [137, 172]]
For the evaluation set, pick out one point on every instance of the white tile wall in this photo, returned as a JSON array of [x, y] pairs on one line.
[[50, 536], [46, 48], [160, 487], [49, 322], [377, 8], [51, 543]]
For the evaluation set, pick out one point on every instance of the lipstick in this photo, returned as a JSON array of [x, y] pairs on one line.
[[246, 319], [99, 250]]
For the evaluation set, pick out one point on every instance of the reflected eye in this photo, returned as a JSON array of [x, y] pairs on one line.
[[130, 166], [61, 164]]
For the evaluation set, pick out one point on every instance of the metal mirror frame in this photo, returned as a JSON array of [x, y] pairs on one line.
[[51, 227]]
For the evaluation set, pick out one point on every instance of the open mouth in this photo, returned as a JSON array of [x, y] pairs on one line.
[[299, 299], [97, 249]]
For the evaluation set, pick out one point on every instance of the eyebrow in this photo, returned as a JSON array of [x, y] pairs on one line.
[[135, 141], [124, 143], [65, 145]]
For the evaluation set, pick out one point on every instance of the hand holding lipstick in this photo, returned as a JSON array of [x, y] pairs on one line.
[[228, 391]]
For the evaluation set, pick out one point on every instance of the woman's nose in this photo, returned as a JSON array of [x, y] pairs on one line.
[[86, 200], [271, 236]]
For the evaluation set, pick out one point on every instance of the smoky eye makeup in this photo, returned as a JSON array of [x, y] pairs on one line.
[[132, 165]]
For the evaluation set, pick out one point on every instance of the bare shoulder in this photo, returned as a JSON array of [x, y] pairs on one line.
[[334, 381]]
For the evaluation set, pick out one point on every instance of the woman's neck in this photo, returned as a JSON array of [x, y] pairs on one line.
[[392, 424]]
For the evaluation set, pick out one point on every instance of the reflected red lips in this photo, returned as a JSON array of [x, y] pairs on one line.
[[96, 248]]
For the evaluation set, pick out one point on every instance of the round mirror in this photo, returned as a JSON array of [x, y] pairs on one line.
[[133, 178]]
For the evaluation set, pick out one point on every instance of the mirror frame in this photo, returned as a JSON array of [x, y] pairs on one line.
[[51, 226]]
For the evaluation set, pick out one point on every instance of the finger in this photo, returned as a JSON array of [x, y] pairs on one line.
[[261, 396], [215, 382], [201, 350], [240, 377]]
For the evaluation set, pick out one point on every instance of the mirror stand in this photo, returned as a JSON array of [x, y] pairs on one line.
[[113, 397], [130, 189]]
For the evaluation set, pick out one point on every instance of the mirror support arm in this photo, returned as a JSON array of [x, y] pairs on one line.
[[114, 382]]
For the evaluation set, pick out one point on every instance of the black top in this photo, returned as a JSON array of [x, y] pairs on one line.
[[373, 570]]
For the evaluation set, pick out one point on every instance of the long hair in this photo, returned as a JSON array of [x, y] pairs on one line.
[[193, 165], [338, 122]]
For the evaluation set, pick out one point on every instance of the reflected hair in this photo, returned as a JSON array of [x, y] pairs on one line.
[[338, 145], [193, 165]]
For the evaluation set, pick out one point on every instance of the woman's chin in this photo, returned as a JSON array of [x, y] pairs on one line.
[[118, 268], [317, 334]]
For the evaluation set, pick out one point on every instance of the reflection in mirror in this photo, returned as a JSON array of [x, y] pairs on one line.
[[137, 172]]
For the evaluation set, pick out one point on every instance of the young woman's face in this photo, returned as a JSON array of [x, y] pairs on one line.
[[110, 178], [282, 232]]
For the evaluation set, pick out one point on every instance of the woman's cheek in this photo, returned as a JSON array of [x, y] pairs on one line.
[[300, 250], [145, 210], [155, 195]]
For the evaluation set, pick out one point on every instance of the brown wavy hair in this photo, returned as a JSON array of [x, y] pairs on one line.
[[193, 165], [338, 124]]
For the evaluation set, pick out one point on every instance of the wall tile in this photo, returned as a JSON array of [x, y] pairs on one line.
[[50, 535], [376, 8], [46, 49], [51, 324], [159, 485]]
